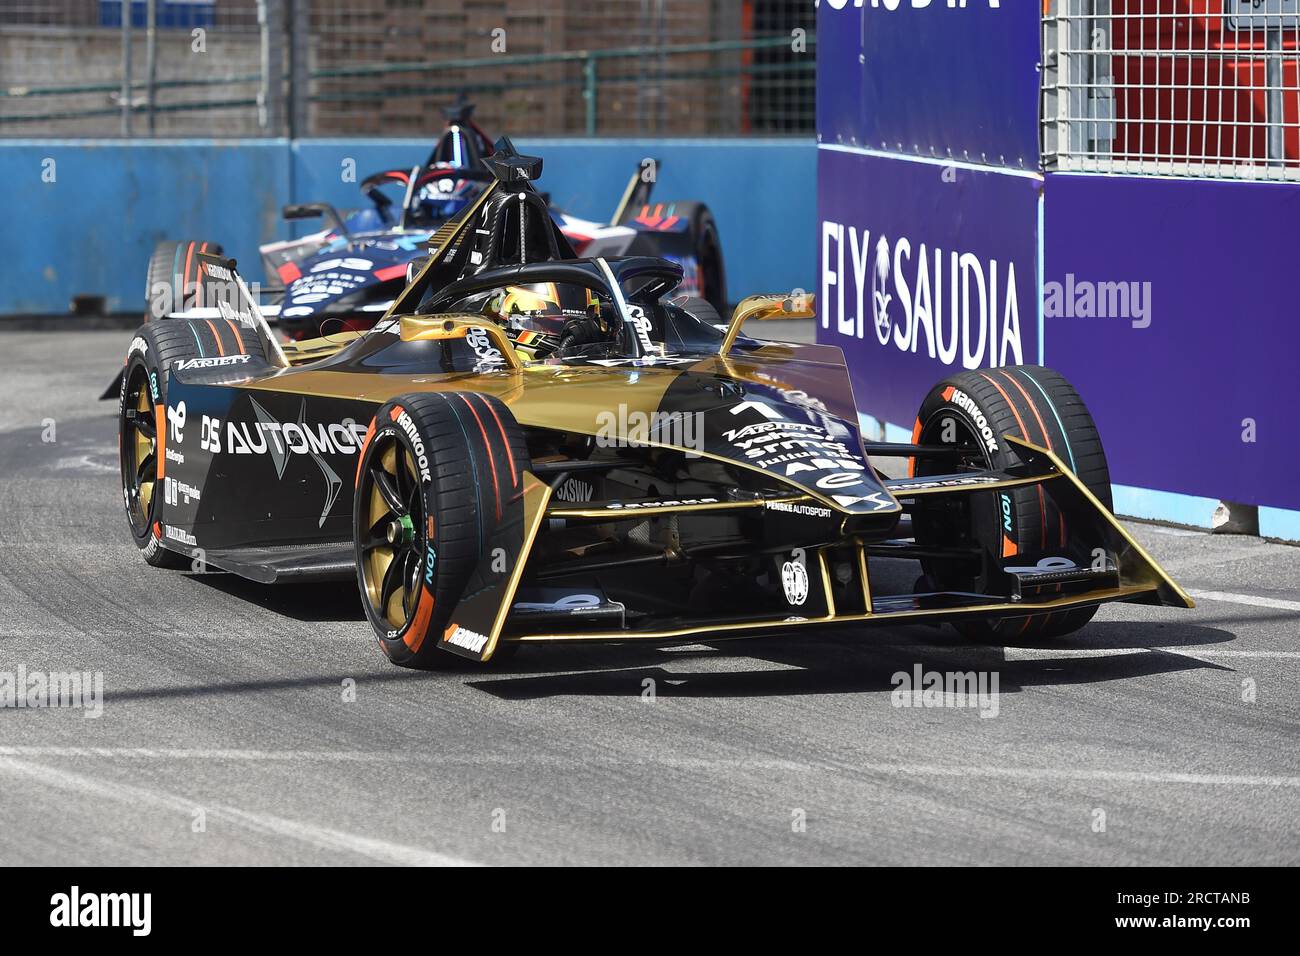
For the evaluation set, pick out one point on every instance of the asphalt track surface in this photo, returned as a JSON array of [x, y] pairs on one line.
[[223, 706]]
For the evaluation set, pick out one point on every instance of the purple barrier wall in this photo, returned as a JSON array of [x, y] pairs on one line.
[[1168, 303], [1219, 342], [926, 78], [927, 125], [925, 270]]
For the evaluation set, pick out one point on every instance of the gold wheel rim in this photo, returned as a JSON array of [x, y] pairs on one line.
[[392, 561], [139, 450]]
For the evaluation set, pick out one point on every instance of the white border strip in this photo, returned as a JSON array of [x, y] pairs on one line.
[[933, 161], [1250, 600]]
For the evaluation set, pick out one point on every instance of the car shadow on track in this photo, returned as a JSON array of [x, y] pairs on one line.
[[310, 602], [820, 661], [830, 663]]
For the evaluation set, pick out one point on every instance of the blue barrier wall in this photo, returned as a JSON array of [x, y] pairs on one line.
[[1203, 373], [87, 223], [91, 229]]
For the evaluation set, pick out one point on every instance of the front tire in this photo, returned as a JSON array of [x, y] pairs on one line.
[[434, 478], [975, 409]]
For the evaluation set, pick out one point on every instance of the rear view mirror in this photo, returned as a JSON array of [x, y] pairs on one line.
[[300, 211], [317, 210]]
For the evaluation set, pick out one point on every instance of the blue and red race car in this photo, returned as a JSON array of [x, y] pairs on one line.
[[346, 275]]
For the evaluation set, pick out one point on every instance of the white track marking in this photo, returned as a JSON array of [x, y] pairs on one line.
[[1249, 600], [195, 753], [1107, 776], [1258, 553], [328, 839], [86, 463], [333, 839], [1040, 653], [1262, 655], [320, 837]]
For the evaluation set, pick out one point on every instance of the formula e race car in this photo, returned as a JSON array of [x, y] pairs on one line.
[[345, 276], [534, 446]]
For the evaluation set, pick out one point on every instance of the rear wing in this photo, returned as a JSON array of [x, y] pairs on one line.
[[637, 192], [221, 285]]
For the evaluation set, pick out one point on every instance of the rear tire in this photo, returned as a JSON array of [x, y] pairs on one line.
[[701, 309], [707, 244], [141, 415], [172, 280], [977, 408], [451, 460]]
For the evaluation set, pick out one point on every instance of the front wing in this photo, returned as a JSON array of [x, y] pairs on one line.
[[1105, 565]]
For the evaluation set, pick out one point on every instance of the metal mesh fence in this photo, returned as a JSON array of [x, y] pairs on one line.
[[386, 67], [1206, 88], [63, 63]]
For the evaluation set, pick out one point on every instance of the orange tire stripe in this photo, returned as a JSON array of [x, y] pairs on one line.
[[361, 455], [199, 272], [216, 335], [185, 279], [510, 455], [416, 633], [238, 338], [1042, 499], [916, 440], [1047, 439], [1032, 407], [1024, 432], [492, 461]]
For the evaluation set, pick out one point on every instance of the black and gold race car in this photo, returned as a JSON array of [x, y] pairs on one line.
[[533, 446]]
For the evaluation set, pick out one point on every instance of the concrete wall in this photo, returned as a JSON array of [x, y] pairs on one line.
[[83, 215]]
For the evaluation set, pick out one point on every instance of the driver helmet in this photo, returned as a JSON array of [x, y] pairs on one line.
[[539, 315], [445, 196]]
